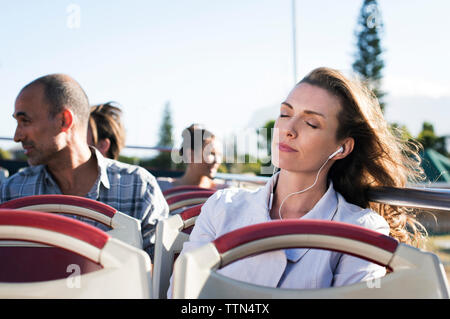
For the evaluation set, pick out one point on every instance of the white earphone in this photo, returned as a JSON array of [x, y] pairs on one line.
[[340, 150]]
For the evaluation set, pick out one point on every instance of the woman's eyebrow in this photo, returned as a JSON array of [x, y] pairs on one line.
[[287, 104], [314, 112], [305, 111]]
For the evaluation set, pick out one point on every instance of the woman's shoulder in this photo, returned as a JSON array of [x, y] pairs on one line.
[[231, 208], [232, 201], [218, 184], [364, 217], [165, 181]]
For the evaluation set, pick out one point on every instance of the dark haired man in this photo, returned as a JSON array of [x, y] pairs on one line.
[[52, 114]]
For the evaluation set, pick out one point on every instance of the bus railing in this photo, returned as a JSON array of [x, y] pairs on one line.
[[411, 197], [421, 198], [429, 197]]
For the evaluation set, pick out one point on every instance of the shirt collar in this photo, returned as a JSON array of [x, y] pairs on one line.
[[324, 208], [102, 164], [48, 178]]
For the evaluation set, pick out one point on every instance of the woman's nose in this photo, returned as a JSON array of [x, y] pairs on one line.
[[288, 129]]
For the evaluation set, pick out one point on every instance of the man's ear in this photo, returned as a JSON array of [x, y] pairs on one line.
[[66, 120]]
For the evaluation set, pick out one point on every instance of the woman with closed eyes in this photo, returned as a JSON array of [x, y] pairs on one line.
[[331, 144]]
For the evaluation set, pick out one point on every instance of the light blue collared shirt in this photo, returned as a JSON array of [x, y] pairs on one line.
[[301, 268]]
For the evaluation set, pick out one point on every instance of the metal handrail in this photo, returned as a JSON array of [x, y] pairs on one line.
[[411, 197], [260, 180], [421, 198], [153, 148]]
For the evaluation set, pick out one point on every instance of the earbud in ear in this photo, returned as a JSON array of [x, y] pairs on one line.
[[340, 150]]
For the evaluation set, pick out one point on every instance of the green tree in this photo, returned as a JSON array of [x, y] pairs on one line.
[[165, 131], [4, 154], [368, 61], [129, 160], [164, 160], [251, 165], [428, 138], [266, 135], [401, 131]]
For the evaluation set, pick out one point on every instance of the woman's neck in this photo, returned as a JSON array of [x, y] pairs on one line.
[[297, 205], [191, 178]]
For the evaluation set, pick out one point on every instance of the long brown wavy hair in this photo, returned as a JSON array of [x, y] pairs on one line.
[[380, 156]]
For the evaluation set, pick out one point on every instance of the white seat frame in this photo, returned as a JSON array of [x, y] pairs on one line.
[[415, 273]]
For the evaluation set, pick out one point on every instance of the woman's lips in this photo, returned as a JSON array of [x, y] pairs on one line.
[[285, 148]]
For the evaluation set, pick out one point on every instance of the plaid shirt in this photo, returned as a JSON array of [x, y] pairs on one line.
[[128, 188]]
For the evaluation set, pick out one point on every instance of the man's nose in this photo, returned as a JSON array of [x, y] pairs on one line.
[[18, 135]]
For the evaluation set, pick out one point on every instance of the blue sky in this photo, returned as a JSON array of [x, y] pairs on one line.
[[219, 63]]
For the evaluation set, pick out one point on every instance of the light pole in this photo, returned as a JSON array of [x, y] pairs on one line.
[[294, 43]]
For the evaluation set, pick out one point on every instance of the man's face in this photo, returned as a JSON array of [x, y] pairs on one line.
[[36, 130]]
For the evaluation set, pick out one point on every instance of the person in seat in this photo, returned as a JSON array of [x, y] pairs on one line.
[[106, 131], [202, 155], [331, 144], [52, 114]]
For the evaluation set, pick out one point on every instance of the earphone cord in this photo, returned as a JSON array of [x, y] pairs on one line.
[[304, 190]]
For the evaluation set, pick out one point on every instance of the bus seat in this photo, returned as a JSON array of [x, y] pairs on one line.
[[415, 273], [171, 233], [188, 199], [123, 227], [70, 259]]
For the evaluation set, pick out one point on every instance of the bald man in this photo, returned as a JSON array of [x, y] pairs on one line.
[[52, 114]]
